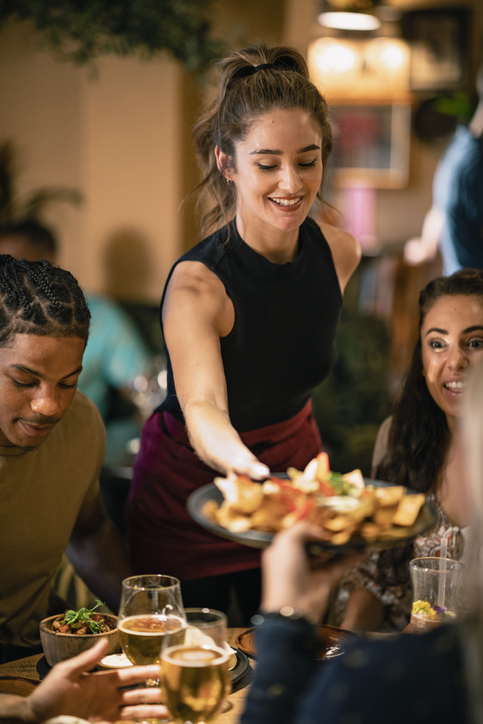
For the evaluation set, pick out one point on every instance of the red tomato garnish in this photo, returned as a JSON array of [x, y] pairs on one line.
[[323, 465], [303, 511], [288, 495], [326, 489]]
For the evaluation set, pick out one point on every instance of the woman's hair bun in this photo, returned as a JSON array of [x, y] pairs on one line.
[[287, 62]]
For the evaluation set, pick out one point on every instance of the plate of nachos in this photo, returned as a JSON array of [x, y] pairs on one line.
[[353, 512]]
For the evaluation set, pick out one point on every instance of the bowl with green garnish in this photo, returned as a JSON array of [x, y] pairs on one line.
[[72, 632]]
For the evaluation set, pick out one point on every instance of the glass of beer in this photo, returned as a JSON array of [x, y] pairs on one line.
[[151, 614], [195, 675], [436, 586]]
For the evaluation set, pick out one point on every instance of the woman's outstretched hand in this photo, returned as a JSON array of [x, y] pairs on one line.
[[292, 578], [68, 689], [245, 463]]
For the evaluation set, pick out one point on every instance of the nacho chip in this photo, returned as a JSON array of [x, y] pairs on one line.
[[242, 494], [339, 539], [340, 522], [209, 510], [394, 531], [232, 520], [269, 515], [408, 509], [389, 496], [323, 468], [355, 478], [370, 531], [384, 516], [293, 473]]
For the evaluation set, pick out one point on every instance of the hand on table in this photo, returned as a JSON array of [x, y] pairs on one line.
[[68, 689], [291, 578]]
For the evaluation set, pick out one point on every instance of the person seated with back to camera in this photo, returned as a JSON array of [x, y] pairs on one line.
[[420, 447], [115, 353], [417, 678], [51, 451]]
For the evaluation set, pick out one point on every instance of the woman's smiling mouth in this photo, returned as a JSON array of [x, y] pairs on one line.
[[286, 203], [455, 385]]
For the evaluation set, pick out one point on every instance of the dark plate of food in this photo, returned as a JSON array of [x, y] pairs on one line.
[[333, 641], [346, 535], [241, 667]]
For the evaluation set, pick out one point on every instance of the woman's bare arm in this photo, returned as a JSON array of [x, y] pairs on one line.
[[346, 252], [364, 612], [197, 312]]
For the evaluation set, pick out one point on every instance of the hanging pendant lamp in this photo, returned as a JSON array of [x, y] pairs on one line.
[[357, 15]]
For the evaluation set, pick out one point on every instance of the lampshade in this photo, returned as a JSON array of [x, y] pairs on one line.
[[349, 14]]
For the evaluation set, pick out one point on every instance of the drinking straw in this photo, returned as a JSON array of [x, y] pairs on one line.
[[442, 580]]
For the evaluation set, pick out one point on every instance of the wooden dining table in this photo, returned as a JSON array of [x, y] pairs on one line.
[[26, 669]]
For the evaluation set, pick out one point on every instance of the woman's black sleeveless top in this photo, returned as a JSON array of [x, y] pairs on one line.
[[281, 345]]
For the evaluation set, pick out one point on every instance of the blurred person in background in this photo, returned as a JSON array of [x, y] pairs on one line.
[[455, 220], [115, 353], [417, 678]]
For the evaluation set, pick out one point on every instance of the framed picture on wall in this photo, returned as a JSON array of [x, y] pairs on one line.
[[438, 40], [371, 144]]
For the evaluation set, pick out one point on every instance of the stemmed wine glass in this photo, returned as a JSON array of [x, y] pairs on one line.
[[151, 610], [195, 675]]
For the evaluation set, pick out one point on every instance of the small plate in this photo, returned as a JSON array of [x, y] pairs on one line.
[[42, 667], [238, 671], [426, 520], [241, 668], [332, 641]]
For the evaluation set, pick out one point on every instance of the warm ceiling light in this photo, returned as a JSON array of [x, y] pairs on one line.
[[334, 57], [391, 56], [349, 21]]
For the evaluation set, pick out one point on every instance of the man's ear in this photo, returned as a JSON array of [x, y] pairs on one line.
[[223, 162]]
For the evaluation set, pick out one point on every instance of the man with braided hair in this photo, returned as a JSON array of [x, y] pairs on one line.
[[116, 352], [51, 450]]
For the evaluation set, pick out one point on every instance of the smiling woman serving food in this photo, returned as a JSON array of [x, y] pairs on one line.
[[249, 318]]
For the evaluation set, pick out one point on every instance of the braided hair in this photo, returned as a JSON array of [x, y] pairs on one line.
[[38, 298]]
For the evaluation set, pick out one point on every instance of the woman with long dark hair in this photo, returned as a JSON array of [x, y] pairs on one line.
[[418, 678], [420, 447], [249, 318]]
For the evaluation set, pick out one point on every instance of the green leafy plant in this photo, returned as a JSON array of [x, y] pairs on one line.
[[83, 30], [82, 617]]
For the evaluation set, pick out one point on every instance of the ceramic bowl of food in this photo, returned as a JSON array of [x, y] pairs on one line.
[[59, 646]]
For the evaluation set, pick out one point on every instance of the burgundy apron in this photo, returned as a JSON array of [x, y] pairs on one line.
[[163, 536]]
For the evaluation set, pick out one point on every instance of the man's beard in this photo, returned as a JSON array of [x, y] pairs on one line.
[[27, 448]]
